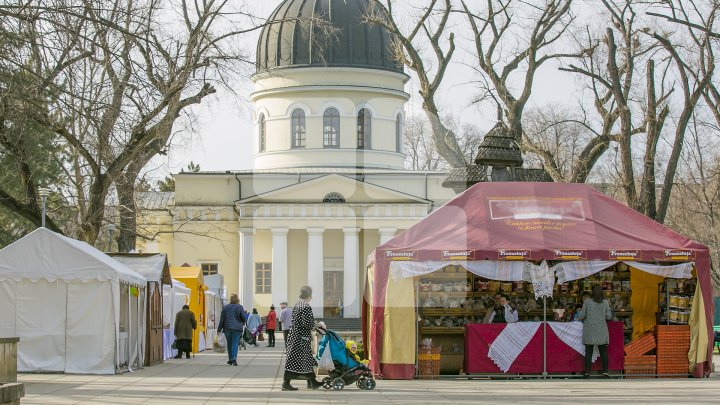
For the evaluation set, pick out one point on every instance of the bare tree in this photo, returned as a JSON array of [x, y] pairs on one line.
[[420, 150], [505, 45], [429, 29], [615, 80]]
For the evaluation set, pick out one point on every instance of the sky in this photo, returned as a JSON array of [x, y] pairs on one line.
[[223, 139]]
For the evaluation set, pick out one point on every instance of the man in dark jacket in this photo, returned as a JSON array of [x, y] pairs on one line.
[[232, 322], [185, 323]]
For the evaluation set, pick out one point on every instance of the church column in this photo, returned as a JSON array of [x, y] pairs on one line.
[[279, 265], [351, 302], [316, 269], [386, 234], [246, 266]]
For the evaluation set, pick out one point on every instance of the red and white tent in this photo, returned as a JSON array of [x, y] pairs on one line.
[[493, 222]]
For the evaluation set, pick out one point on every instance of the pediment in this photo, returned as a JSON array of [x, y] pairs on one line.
[[353, 191]]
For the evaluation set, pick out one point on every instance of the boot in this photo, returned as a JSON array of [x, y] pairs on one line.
[[314, 384], [286, 382]]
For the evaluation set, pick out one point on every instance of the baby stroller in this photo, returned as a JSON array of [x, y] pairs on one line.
[[347, 369]]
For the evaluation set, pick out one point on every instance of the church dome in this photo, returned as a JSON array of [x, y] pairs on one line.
[[291, 39]]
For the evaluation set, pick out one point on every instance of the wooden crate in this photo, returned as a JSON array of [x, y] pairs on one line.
[[640, 371], [641, 345], [428, 362]]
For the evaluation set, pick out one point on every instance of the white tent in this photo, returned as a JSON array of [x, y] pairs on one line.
[[213, 309], [75, 309], [174, 297]]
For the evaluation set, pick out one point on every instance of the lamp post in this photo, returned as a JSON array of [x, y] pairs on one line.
[[43, 193], [111, 230]]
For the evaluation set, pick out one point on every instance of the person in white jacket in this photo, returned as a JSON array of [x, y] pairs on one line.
[[503, 312]]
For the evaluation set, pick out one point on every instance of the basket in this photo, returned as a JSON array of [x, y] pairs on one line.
[[641, 345]]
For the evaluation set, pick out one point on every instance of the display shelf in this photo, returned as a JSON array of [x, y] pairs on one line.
[[439, 311], [481, 294], [441, 330], [445, 276], [454, 294]]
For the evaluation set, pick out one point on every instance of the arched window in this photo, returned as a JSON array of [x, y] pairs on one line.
[[334, 198], [398, 133], [364, 130], [331, 128], [298, 128], [261, 134]]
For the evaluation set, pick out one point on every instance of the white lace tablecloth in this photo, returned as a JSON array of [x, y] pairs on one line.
[[508, 345]]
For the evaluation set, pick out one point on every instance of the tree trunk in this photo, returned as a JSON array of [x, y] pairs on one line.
[[128, 213], [647, 186]]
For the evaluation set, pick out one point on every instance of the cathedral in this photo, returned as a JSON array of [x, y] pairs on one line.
[[328, 184]]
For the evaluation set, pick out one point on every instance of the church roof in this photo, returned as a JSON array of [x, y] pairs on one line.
[[291, 37]]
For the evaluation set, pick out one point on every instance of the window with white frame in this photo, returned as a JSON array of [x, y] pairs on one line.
[[331, 128], [263, 278], [261, 132], [364, 128], [298, 128], [209, 268], [398, 133]]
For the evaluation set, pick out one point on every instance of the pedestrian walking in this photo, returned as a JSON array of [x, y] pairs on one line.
[[185, 323], [271, 320], [232, 322], [300, 362], [595, 313], [285, 320], [254, 323]]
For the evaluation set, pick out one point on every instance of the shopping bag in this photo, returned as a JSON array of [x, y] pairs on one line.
[[174, 344], [260, 337], [326, 362], [222, 342]]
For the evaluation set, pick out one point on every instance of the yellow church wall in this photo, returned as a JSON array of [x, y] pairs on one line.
[[196, 190]]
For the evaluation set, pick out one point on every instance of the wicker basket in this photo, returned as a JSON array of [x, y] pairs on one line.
[[641, 345]]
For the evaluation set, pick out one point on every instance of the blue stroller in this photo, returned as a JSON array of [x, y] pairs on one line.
[[347, 369]]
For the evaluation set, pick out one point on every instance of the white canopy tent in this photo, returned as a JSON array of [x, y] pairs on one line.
[[174, 297], [213, 309], [75, 309]]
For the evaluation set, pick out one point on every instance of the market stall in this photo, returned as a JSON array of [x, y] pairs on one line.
[[541, 244], [154, 267], [213, 309], [192, 277], [75, 309]]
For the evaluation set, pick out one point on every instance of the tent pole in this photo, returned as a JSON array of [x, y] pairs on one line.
[[544, 374]]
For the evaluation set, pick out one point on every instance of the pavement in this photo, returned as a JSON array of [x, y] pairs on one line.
[[207, 379]]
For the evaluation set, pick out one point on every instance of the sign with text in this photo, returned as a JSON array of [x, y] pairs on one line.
[[401, 255], [678, 254], [458, 255], [624, 254], [513, 254], [570, 254]]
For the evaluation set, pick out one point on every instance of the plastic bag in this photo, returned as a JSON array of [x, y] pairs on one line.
[[326, 362], [222, 342]]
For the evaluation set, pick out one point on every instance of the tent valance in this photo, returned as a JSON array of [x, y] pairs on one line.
[[541, 276]]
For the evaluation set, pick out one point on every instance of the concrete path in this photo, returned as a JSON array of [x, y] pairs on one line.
[[206, 379]]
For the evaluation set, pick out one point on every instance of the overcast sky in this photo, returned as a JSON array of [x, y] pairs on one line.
[[223, 137]]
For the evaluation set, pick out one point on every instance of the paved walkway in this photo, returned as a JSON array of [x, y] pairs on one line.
[[206, 379]]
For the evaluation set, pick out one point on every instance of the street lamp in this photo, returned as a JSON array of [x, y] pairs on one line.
[[111, 230], [43, 193]]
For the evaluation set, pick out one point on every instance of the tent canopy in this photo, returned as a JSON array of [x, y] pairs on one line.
[[538, 221], [44, 254], [153, 266], [517, 221]]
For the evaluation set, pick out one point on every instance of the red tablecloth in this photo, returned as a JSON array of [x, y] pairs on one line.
[[561, 358]]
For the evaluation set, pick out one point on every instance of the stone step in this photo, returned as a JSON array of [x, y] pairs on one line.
[[342, 324]]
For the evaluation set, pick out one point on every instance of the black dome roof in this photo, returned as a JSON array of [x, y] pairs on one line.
[[290, 39]]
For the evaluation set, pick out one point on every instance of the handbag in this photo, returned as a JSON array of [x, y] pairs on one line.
[[174, 344]]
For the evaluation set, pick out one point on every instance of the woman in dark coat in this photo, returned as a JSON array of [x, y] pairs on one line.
[[185, 323], [300, 361], [595, 313]]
